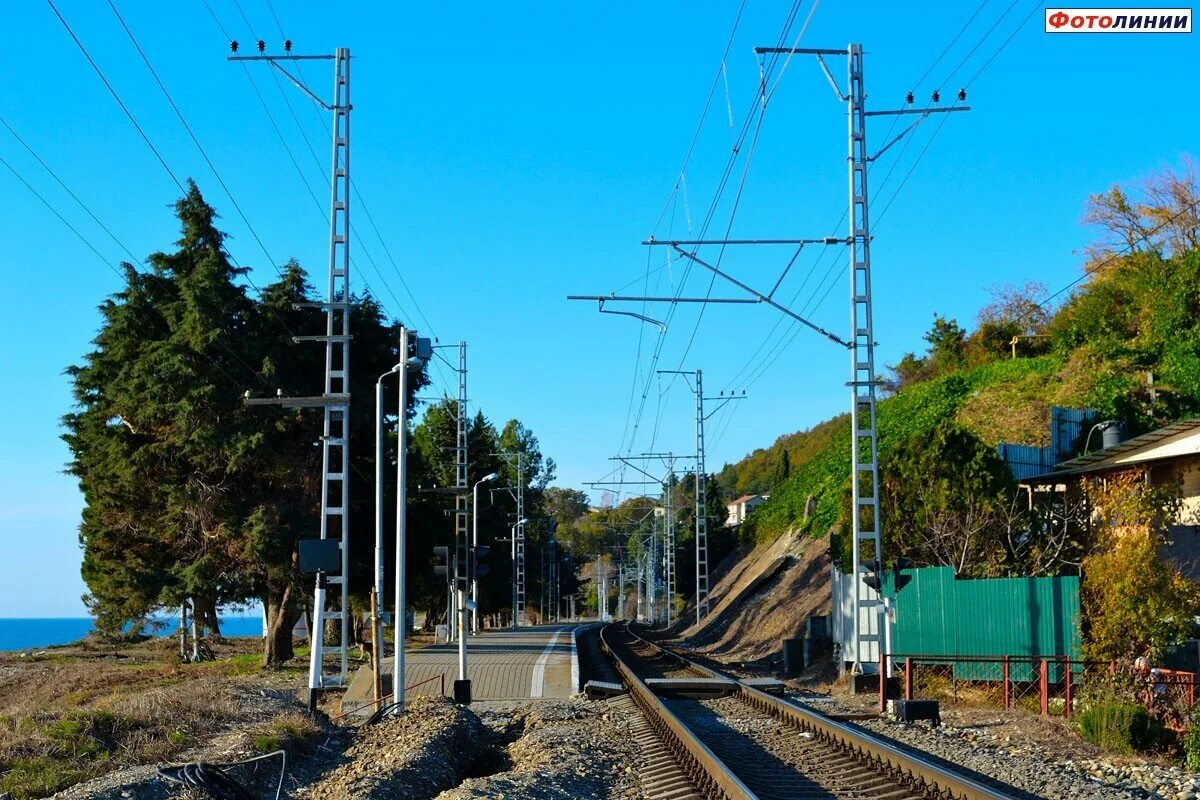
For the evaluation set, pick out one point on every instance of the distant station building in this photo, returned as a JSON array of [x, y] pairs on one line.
[[739, 508]]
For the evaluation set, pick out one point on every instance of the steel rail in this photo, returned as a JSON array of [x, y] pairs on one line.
[[709, 774], [909, 769]]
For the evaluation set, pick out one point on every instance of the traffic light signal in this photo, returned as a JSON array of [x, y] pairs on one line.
[[478, 555], [899, 581], [441, 562]]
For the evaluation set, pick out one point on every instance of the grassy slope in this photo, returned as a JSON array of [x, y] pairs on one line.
[[1019, 388]]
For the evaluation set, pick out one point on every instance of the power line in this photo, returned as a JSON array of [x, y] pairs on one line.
[[1015, 31], [196, 141], [722, 184], [132, 258], [116, 96], [61, 218], [120, 275], [1124, 251], [947, 48]]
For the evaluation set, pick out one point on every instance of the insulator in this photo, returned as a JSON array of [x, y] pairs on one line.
[[262, 46], [908, 98], [962, 94], [937, 97], [233, 46], [287, 45]]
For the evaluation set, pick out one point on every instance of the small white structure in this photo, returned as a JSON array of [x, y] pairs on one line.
[[739, 508]]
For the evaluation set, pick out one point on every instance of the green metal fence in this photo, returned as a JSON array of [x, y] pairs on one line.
[[1020, 617]]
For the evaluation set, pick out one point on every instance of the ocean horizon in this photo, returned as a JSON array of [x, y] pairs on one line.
[[30, 633]]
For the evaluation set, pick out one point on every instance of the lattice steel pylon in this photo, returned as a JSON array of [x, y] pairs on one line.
[[701, 492], [701, 508], [335, 438], [462, 534], [864, 447], [669, 542], [861, 344]]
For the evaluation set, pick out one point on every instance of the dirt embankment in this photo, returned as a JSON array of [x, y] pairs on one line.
[[760, 596]]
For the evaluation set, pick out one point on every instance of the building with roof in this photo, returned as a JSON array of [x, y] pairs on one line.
[[1169, 455], [739, 508]]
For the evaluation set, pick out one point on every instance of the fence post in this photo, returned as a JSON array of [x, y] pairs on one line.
[[1067, 687], [883, 683], [908, 679], [1191, 690], [1007, 684], [1044, 686]]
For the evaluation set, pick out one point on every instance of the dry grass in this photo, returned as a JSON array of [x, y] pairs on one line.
[[76, 713]]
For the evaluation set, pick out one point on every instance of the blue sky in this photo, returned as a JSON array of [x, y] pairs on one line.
[[512, 154]]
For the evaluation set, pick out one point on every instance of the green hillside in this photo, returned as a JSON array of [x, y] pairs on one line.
[[1125, 341]]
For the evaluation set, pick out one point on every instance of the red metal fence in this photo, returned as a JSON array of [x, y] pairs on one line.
[[1048, 686]]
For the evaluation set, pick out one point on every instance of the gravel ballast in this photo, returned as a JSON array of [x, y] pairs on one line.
[[432, 747], [996, 748], [558, 749]]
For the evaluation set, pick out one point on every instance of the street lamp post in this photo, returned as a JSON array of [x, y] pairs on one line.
[[376, 627], [475, 543]]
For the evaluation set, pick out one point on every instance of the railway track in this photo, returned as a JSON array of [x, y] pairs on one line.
[[744, 744]]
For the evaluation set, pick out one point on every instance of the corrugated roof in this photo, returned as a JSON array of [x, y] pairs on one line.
[[1093, 462]]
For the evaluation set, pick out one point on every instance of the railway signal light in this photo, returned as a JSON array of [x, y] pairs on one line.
[[233, 46], [262, 46], [874, 578], [441, 561], [479, 555]]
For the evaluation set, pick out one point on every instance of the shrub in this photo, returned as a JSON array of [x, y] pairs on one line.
[[1122, 728], [1191, 749]]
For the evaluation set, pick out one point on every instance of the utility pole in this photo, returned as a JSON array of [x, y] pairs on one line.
[[400, 622], [335, 437], [519, 547], [669, 542], [865, 535], [600, 590]]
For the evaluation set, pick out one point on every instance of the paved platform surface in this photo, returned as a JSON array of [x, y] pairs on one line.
[[503, 664]]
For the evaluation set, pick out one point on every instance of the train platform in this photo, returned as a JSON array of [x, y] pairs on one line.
[[502, 664]]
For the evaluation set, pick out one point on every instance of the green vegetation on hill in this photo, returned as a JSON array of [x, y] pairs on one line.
[[1126, 342], [916, 410]]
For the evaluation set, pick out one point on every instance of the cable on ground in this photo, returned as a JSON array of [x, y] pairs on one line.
[[214, 781]]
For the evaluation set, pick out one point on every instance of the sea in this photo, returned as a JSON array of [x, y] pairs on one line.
[[31, 634]]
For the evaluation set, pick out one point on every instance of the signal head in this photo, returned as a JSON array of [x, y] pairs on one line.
[[908, 98], [962, 94], [262, 46], [937, 97], [233, 46], [287, 45]]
